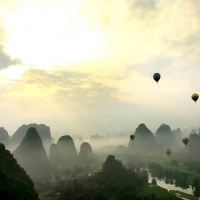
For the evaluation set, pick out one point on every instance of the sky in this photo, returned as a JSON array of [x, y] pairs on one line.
[[85, 67]]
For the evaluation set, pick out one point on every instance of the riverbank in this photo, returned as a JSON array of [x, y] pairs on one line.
[[169, 187], [183, 195], [158, 192]]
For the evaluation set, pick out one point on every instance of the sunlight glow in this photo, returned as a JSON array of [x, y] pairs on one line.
[[53, 34], [12, 73]]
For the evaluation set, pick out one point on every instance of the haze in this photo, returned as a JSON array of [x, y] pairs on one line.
[[85, 67]]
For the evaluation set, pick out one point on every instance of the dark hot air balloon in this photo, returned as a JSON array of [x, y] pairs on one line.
[[132, 137], [168, 152], [195, 97], [185, 141], [156, 77]]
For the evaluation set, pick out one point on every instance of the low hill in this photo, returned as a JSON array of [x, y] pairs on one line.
[[4, 137], [15, 184], [42, 129], [32, 156], [144, 141]]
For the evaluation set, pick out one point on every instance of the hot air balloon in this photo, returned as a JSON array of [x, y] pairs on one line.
[[168, 151], [132, 137], [156, 77], [185, 140], [195, 97]]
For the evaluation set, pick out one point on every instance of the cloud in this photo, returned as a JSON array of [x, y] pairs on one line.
[[143, 9], [68, 100], [75, 85], [6, 60], [131, 30], [129, 41]]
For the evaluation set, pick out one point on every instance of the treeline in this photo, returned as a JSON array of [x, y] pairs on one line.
[[175, 176], [114, 181], [14, 182]]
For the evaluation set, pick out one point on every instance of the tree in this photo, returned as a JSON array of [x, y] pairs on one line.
[[154, 181], [196, 184]]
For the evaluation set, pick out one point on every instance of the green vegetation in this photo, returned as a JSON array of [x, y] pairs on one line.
[[113, 179], [157, 193], [188, 196], [113, 182], [14, 182], [121, 178]]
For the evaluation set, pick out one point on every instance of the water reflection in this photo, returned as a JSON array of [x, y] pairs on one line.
[[168, 184]]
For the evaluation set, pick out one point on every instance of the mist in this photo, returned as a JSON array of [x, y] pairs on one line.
[[77, 80]]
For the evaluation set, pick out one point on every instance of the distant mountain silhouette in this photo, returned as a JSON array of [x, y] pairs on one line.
[[32, 156], [15, 184], [107, 149], [54, 155], [96, 137], [178, 135], [120, 150], [193, 131], [86, 154], [144, 141], [67, 149], [96, 140], [42, 129], [165, 137], [4, 137], [194, 143]]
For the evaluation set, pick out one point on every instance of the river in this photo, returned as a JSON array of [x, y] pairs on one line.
[[161, 183]]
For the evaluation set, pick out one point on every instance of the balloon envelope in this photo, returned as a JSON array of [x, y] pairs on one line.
[[132, 137], [185, 141], [195, 97], [168, 151], [156, 77]]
